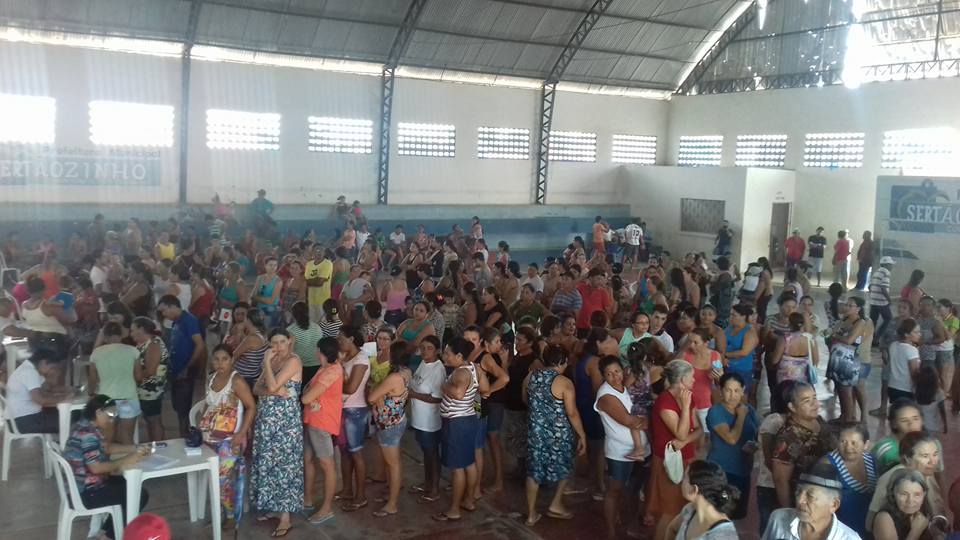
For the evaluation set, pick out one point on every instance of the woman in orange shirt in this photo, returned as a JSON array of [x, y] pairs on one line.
[[322, 409]]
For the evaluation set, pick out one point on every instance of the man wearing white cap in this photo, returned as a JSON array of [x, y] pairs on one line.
[[880, 297]]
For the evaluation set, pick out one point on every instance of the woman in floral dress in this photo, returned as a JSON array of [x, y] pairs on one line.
[[553, 421], [277, 476]]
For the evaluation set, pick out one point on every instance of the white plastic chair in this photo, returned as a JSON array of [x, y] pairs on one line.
[[12, 433], [71, 505], [196, 412], [4, 270]]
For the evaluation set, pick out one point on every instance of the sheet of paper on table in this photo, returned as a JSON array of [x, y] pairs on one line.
[[157, 461]]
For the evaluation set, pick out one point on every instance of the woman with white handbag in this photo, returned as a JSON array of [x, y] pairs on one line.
[[674, 430]]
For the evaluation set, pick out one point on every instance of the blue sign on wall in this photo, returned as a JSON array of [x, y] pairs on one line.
[[30, 165], [927, 208]]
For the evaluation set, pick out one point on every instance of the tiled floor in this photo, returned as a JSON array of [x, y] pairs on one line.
[[29, 504]]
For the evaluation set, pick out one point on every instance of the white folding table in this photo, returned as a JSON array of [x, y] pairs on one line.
[[64, 410], [194, 467]]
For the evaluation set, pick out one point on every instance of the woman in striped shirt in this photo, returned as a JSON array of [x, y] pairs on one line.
[[857, 471], [459, 415], [248, 356]]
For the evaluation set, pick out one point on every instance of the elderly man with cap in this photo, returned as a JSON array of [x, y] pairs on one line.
[[818, 498], [816, 244], [880, 297], [795, 248]]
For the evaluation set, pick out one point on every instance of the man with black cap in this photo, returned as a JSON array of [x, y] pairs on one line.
[[818, 498], [816, 244]]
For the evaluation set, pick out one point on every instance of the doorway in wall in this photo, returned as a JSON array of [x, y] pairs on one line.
[[779, 225]]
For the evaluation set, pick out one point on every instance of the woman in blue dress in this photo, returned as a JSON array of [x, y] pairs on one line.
[[277, 475], [857, 471], [553, 422]]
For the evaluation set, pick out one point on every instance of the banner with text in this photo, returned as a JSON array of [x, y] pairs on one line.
[[43, 165], [931, 207]]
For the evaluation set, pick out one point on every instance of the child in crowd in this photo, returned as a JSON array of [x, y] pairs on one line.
[[330, 323]]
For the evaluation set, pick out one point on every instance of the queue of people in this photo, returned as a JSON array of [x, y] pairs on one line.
[[329, 349]]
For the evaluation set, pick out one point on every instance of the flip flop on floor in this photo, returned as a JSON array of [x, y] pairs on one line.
[[383, 514], [339, 497], [558, 515], [280, 532], [415, 490], [428, 498], [266, 517], [533, 521], [317, 520], [442, 516], [468, 509], [353, 507]]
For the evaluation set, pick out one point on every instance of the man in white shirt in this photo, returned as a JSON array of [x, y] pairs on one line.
[[98, 272], [426, 393], [363, 234], [633, 235], [397, 238], [880, 297], [533, 278], [818, 498], [657, 320], [28, 404]]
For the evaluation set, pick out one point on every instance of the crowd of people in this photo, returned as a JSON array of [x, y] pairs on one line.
[[305, 347]]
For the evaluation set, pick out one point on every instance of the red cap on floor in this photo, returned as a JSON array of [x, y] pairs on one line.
[[147, 527]]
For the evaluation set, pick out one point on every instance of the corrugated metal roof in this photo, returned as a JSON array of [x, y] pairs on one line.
[[636, 43]]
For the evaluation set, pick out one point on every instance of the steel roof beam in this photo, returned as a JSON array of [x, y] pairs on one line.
[[549, 92], [705, 63], [387, 78], [189, 38]]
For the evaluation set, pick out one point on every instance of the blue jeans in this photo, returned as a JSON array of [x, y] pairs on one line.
[[355, 420]]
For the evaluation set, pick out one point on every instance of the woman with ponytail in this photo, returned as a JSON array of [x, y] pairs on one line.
[[709, 499]]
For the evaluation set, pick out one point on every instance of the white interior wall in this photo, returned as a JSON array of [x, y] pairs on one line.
[[764, 187], [74, 77], [655, 194], [602, 182], [292, 174], [832, 198], [463, 179]]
